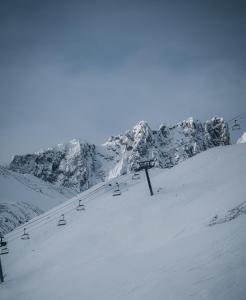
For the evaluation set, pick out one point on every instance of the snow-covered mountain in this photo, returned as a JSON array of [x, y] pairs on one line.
[[187, 242], [36, 182], [242, 139], [24, 196], [79, 165]]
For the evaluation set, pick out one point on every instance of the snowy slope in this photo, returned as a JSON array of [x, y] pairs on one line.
[[242, 139], [188, 241], [24, 196]]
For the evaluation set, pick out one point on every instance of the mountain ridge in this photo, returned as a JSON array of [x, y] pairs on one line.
[[79, 165]]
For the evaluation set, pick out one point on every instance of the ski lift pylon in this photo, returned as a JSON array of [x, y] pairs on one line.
[[25, 235], [80, 206], [235, 126], [62, 221]]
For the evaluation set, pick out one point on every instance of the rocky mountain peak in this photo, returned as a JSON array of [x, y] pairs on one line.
[[79, 164]]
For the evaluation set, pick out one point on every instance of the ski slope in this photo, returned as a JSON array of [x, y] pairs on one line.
[[188, 241], [24, 196]]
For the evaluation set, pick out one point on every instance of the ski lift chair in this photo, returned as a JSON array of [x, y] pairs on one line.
[[25, 235], [2, 242], [80, 206], [136, 176], [116, 193], [4, 248], [235, 126], [62, 221]]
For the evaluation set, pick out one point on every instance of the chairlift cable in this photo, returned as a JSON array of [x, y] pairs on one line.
[[237, 117], [54, 211], [61, 207], [49, 213], [53, 219], [240, 119], [47, 218], [41, 221]]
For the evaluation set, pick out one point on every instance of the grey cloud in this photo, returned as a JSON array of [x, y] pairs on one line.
[[94, 68]]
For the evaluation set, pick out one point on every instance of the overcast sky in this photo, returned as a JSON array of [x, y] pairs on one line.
[[92, 69]]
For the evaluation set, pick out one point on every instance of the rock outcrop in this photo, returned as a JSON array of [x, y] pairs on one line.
[[79, 165]]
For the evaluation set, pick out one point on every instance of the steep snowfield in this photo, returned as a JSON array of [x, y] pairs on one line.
[[24, 196], [138, 247]]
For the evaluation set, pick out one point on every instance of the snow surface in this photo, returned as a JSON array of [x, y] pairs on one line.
[[242, 139], [24, 196], [138, 247]]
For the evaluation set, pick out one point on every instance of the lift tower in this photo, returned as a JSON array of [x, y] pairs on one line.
[[146, 165]]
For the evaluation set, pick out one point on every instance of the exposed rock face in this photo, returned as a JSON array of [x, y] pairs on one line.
[[79, 165], [72, 165], [168, 145]]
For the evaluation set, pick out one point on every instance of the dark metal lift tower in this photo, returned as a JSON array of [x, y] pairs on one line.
[[146, 165], [1, 272]]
